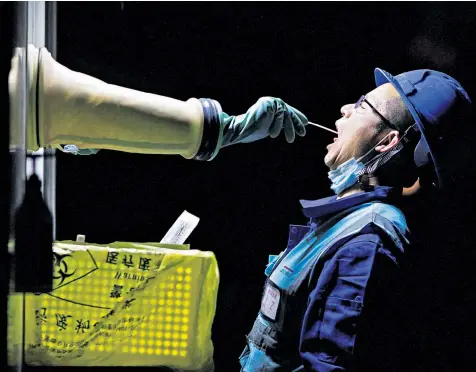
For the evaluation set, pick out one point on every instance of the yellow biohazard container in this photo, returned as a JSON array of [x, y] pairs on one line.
[[124, 304]]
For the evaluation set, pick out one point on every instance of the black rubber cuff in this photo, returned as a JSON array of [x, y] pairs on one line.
[[211, 129]]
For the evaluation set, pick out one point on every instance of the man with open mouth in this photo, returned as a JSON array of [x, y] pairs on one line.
[[334, 299]]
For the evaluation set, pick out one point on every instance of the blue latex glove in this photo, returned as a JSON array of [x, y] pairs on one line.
[[268, 116]]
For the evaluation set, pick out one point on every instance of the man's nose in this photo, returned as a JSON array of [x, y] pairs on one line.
[[346, 110]]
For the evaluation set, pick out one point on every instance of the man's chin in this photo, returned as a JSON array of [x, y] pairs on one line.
[[329, 161]]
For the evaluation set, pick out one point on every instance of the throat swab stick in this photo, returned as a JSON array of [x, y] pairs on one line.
[[322, 127]]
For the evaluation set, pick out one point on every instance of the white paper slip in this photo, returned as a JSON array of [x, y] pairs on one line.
[[270, 302], [181, 229], [81, 238]]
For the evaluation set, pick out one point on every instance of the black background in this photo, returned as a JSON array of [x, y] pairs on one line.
[[315, 56]]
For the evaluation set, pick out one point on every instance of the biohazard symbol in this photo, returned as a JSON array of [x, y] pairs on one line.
[[60, 267]]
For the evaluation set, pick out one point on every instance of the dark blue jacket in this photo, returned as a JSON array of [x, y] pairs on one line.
[[332, 299]]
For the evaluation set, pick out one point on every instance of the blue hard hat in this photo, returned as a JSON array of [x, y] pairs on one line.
[[441, 108]]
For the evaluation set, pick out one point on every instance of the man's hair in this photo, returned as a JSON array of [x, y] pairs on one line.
[[395, 111]]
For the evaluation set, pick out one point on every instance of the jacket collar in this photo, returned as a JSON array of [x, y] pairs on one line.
[[330, 205]]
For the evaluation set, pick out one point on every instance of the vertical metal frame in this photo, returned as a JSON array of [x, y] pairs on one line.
[[41, 32], [33, 23]]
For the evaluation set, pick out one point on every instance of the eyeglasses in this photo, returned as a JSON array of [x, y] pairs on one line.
[[363, 99]]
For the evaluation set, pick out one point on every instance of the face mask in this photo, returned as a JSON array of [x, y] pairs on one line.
[[347, 174]]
